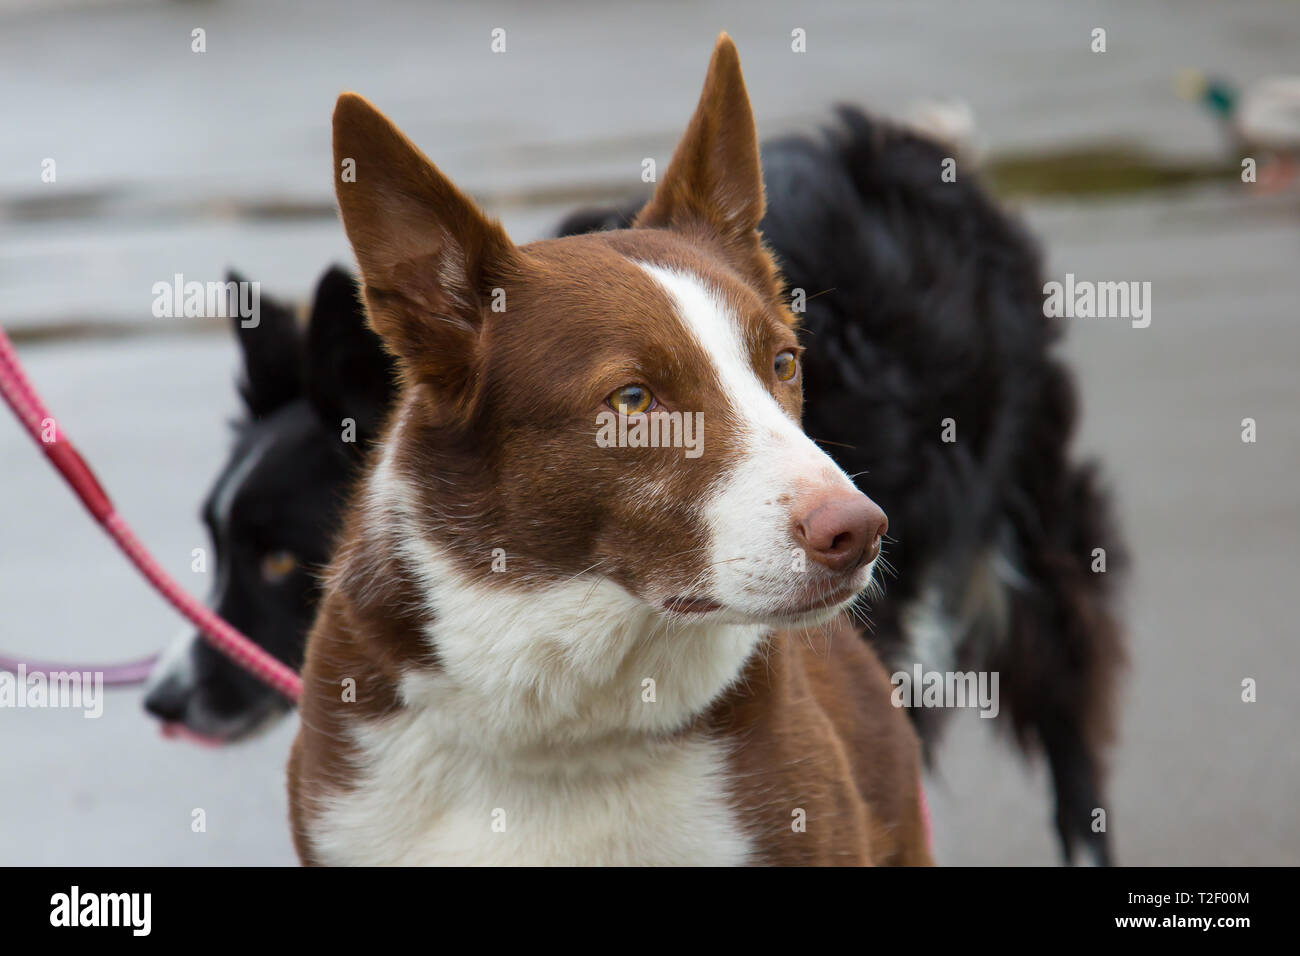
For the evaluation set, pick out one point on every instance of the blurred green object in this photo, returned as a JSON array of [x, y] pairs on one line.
[[1096, 170], [1263, 116]]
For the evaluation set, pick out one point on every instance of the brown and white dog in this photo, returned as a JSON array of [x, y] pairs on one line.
[[537, 647]]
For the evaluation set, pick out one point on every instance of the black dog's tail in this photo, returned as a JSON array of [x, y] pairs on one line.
[[1064, 649], [929, 299]]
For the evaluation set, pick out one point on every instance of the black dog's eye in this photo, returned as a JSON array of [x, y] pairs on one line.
[[786, 366], [278, 565]]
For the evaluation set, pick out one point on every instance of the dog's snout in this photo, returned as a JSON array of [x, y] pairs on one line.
[[842, 531], [168, 699]]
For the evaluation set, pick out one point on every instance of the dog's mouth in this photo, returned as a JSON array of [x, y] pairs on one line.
[[812, 605], [800, 607], [206, 729], [175, 730], [691, 604]]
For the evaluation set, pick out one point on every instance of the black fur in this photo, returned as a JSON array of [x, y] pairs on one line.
[[924, 303], [293, 468]]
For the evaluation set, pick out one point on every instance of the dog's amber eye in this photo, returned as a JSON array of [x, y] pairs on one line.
[[785, 366], [631, 399], [277, 566]]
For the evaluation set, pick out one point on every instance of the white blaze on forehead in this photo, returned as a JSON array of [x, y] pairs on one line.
[[716, 329], [223, 501], [750, 508]]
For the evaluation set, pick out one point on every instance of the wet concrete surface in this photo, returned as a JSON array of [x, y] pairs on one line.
[[164, 152]]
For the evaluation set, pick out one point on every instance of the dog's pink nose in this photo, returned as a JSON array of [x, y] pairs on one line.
[[843, 531]]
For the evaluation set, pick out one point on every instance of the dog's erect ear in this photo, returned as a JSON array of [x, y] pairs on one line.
[[349, 374], [429, 258], [714, 181], [272, 351]]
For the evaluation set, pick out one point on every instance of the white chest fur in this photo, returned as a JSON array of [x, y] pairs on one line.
[[550, 733], [425, 801]]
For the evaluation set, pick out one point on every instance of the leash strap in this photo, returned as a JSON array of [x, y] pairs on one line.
[[27, 406]]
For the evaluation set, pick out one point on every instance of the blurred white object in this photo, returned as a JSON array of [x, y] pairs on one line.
[[1268, 114], [950, 121], [1261, 119], [1264, 115]]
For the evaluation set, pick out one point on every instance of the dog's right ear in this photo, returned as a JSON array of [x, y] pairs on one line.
[[272, 351], [714, 182], [349, 374], [429, 258]]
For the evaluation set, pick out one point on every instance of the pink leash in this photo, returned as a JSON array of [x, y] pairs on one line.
[[27, 406], [36, 418]]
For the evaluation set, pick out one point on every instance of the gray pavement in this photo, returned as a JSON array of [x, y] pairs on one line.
[[172, 162]]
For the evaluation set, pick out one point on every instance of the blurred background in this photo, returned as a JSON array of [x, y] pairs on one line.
[[170, 161]]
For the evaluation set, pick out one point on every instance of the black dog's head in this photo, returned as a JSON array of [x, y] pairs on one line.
[[314, 401]]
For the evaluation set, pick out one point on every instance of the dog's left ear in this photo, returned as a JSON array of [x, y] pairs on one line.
[[349, 373], [714, 183], [272, 352]]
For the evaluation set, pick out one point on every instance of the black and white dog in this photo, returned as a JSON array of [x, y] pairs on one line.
[[928, 377], [313, 398]]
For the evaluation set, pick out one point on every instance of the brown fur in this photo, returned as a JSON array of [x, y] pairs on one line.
[[815, 731], [497, 441]]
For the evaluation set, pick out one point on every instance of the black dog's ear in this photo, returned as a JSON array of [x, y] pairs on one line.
[[349, 372], [272, 350], [599, 218]]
